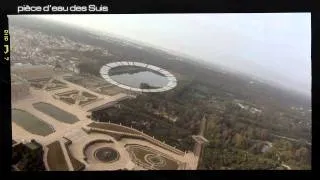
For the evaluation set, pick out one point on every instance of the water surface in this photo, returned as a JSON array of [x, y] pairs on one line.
[[135, 79]]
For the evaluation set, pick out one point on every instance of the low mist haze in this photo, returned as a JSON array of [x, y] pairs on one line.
[[274, 47]]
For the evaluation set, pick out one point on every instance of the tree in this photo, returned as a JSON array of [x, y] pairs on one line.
[[249, 132], [264, 134], [225, 134], [302, 154], [238, 140], [286, 155]]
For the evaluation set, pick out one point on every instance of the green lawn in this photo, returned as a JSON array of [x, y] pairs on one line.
[[76, 164], [68, 100], [139, 152], [88, 94], [87, 102], [113, 127], [55, 158], [56, 112], [31, 123]]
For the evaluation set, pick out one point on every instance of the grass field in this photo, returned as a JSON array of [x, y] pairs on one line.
[[89, 101], [76, 164], [113, 127], [68, 93], [55, 158], [88, 94], [31, 123], [56, 112], [117, 136], [111, 90], [139, 155], [39, 83], [117, 128], [68, 100]]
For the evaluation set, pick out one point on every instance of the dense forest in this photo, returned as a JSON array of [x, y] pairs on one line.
[[244, 140]]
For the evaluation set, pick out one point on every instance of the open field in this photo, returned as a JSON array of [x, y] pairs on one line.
[[86, 94], [68, 93], [56, 112], [39, 83], [31, 123], [76, 164], [68, 100], [55, 158], [87, 98], [95, 84], [113, 127], [153, 125], [55, 84], [87, 81], [111, 90], [88, 101], [122, 132], [150, 158]]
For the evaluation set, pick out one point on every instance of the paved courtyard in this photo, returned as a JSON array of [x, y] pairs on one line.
[[79, 143], [60, 128]]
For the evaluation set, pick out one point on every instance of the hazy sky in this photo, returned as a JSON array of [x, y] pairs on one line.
[[271, 46]]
